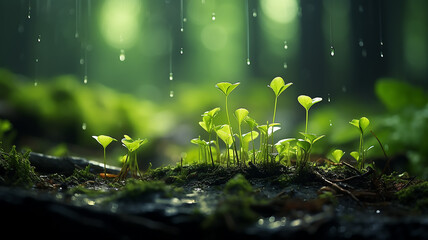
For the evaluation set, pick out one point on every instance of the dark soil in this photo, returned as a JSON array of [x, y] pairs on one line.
[[199, 202]]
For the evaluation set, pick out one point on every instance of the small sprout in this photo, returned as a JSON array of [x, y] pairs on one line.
[[253, 124], [362, 125], [224, 133], [337, 155], [208, 125], [226, 88], [283, 148], [240, 115], [307, 103], [104, 141], [355, 155], [131, 162], [306, 146]]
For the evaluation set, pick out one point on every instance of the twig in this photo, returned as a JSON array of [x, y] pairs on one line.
[[351, 167], [370, 171], [338, 187]]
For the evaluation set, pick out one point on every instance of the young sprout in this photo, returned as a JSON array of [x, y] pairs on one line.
[[283, 148], [240, 115], [246, 139], [362, 125], [131, 163], [253, 124], [266, 132], [306, 146], [208, 125], [278, 86], [337, 155], [104, 141], [307, 103], [224, 133], [226, 88], [203, 145]]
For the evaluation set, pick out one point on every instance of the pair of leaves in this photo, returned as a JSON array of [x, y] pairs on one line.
[[361, 123], [307, 101], [269, 130], [207, 120], [226, 87], [283, 145], [310, 139], [278, 86], [131, 144], [104, 140], [225, 134]]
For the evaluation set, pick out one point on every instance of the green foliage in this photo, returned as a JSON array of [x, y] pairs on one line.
[[278, 86], [226, 88], [362, 125], [238, 185], [104, 141], [16, 170], [398, 95], [131, 161], [307, 103], [337, 155]]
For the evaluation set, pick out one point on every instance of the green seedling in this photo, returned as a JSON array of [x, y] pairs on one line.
[[131, 163], [203, 148], [278, 86], [226, 88], [362, 125], [224, 132], [307, 103], [306, 146], [208, 125], [252, 124], [104, 141], [246, 139], [283, 148], [240, 115], [337, 155], [266, 132]]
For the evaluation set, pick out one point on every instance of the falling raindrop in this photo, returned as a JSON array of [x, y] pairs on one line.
[[248, 61], [330, 123], [37, 60], [171, 76], [328, 98], [35, 83], [285, 45], [171, 93], [181, 51], [122, 56], [82, 61], [29, 9], [39, 38], [85, 79], [213, 16], [361, 43], [84, 126], [181, 16], [254, 13], [76, 33], [248, 32], [184, 19], [331, 51], [381, 54], [285, 65]]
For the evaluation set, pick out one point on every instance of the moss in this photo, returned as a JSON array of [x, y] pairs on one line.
[[16, 170], [136, 189], [238, 185], [415, 195]]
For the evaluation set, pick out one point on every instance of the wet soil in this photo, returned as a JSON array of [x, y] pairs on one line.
[[193, 202]]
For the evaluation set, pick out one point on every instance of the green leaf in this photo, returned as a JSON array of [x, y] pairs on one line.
[[246, 137], [199, 142], [204, 126], [312, 138], [355, 122], [224, 133], [131, 144], [241, 114], [104, 140], [307, 101], [337, 155], [251, 122], [364, 123], [355, 155], [226, 88], [285, 141], [212, 113], [303, 144], [278, 86]]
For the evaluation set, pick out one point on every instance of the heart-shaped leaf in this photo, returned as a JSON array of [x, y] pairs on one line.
[[241, 114], [104, 140], [251, 122], [311, 138], [131, 144], [364, 123], [224, 133], [355, 155], [355, 122], [278, 86], [303, 144], [226, 87], [212, 113], [337, 155], [307, 101]]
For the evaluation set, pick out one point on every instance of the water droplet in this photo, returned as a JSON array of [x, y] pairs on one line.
[[378, 211], [39, 38], [182, 29], [85, 79], [122, 56], [328, 98], [37, 60], [381, 43], [361, 43], [181, 51], [254, 13], [285, 45], [184, 19], [330, 123], [84, 126], [76, 35], [248, 61], [35, 83], [171, 93], [213, 16], [171, 76], [331, 51], [381, 54], [285, 65], [82, 61]]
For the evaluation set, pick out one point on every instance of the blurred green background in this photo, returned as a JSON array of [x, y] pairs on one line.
[[76, 68]]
